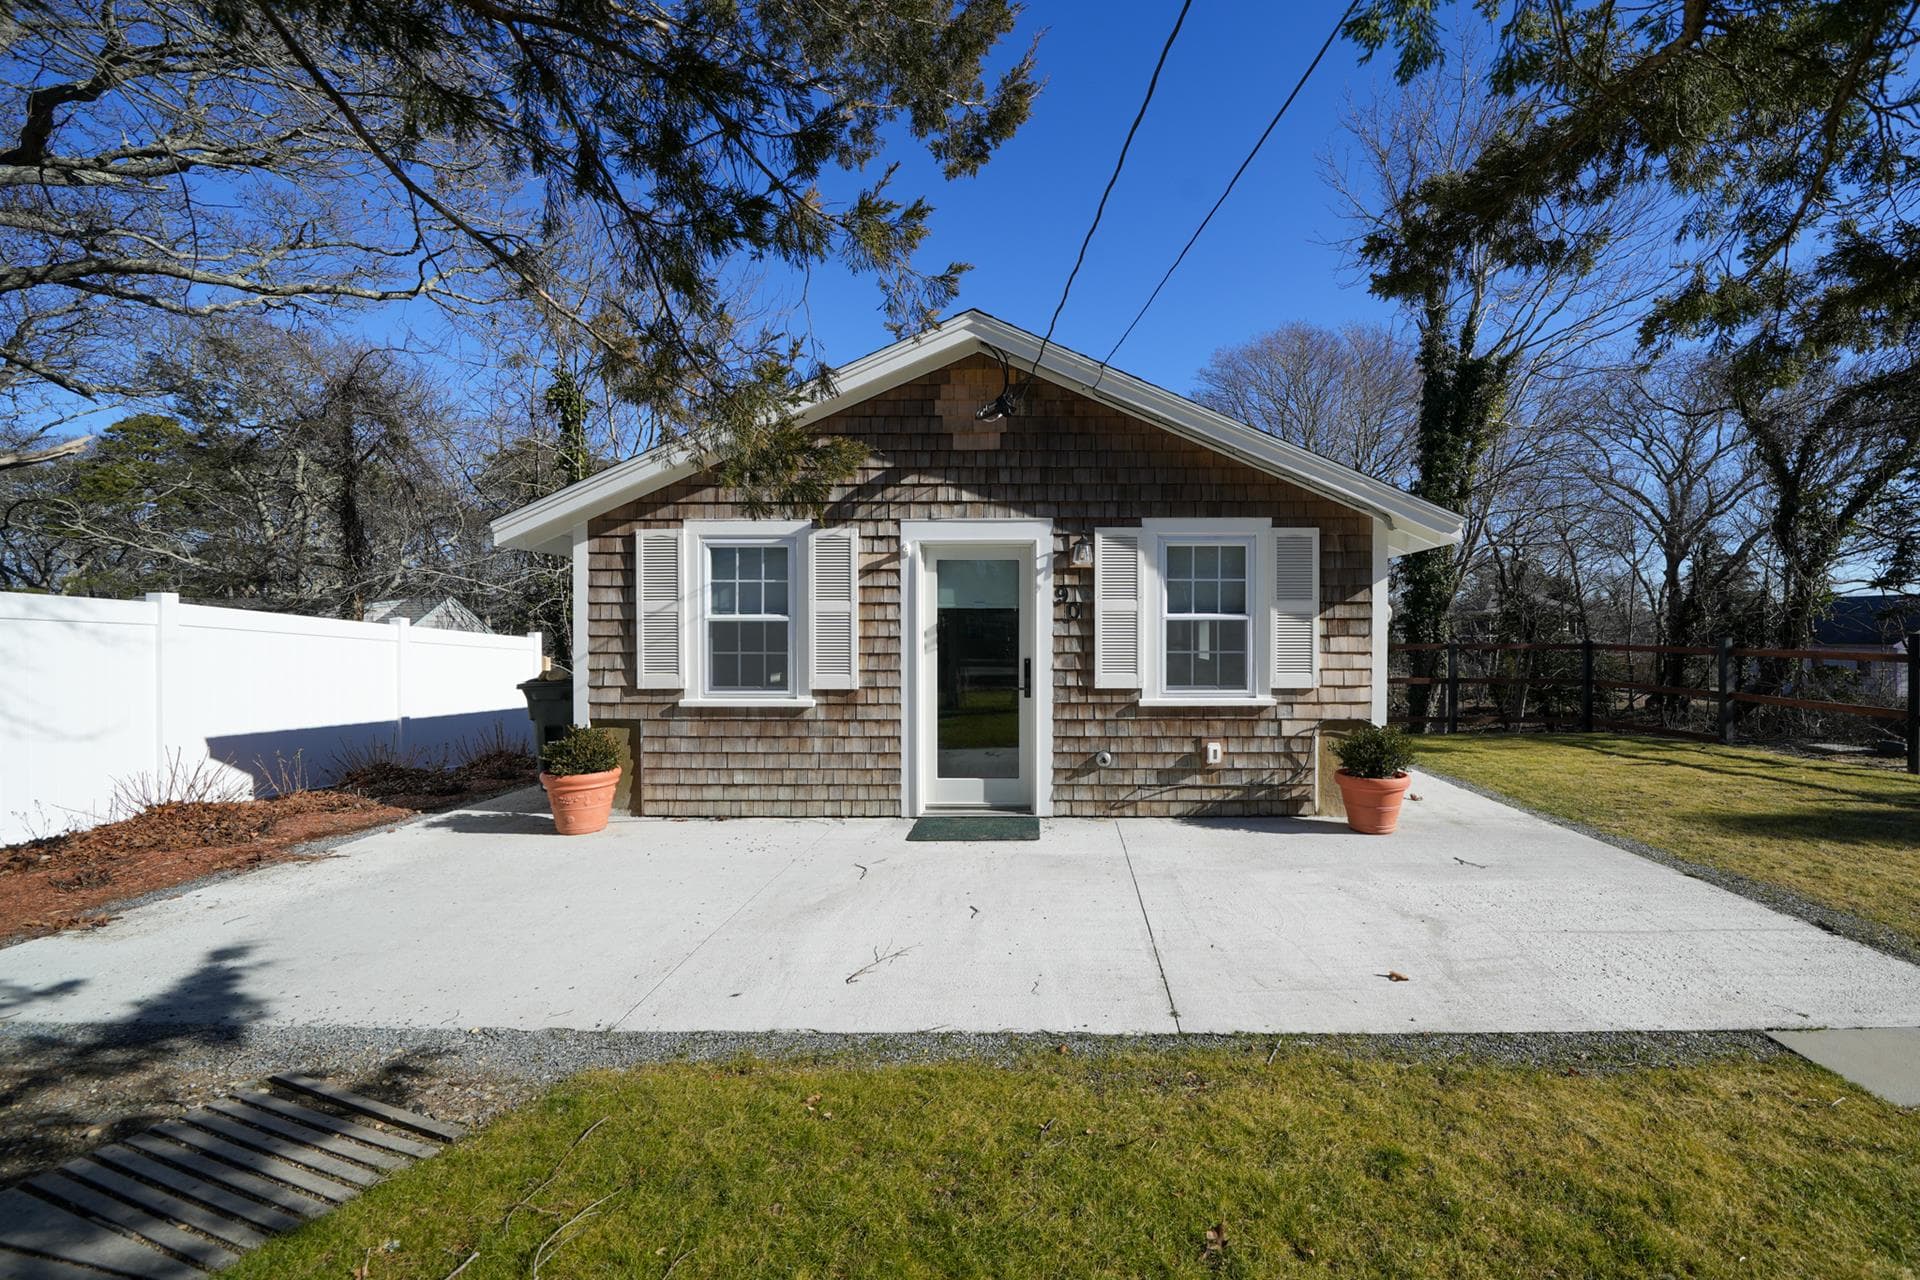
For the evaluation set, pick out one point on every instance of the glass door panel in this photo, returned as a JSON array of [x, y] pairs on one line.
[[977, 675], [977, 716]]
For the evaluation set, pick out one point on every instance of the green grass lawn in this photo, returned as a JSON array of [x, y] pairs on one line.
[[1202, 1163], [1842, 834]]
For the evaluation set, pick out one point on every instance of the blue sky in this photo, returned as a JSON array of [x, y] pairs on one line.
[[1263, 261]]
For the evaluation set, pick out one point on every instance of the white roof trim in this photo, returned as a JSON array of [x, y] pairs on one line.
[[547, 525]]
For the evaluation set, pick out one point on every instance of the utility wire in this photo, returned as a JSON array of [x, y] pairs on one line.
[[1118, 164], [1231, 183]]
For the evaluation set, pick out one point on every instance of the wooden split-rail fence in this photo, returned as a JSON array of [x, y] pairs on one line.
[[1725, 697]]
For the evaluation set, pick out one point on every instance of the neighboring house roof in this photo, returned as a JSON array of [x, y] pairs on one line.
[[1415, 524], [1868, 620], [441, 614]]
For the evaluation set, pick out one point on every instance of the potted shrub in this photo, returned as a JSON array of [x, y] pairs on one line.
[[580, 769], [1373, 777]]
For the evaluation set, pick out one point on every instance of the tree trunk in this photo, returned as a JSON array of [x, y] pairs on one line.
[[1460, 398]]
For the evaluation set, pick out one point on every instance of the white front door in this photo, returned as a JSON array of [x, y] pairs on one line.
[[976, 686]]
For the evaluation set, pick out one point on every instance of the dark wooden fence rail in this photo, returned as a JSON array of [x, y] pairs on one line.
[[1726, 695]]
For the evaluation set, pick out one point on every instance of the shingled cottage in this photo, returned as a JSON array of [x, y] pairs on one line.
[[1113, 601]]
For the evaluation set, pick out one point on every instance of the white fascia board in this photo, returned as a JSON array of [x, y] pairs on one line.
[[544, 525], [1416, 524], [1425, 524]]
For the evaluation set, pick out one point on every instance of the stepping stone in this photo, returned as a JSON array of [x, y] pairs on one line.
[[292, 1152], [208, 1193], [78, 1195], [185, 1197], [334, 1124], [33, 1224], [222, 1174], [256, 1162], [165, 1204], [262, 1119], [368, 1107]]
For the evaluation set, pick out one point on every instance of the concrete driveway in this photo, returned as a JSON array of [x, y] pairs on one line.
[[1499, 922]]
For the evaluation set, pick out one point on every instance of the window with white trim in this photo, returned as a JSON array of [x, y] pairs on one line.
[[1207, 627], [740, 605], [1206, 611], [749, 622], [747, 613]]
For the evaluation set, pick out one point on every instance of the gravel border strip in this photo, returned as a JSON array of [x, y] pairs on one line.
[[553, 1055], [1843, 924]]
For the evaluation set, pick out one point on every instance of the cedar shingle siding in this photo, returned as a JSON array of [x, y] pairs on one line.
[[1066, 458]]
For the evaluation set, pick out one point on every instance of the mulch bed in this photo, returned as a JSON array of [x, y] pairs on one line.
[[59, 882]]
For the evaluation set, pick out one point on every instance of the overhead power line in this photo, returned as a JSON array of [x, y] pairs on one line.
[[1004, 403], [1231, 182]]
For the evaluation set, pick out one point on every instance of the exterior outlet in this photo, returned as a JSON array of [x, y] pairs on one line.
[[1213, 752]]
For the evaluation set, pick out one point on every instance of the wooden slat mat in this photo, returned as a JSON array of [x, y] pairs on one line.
[[188, 1196]]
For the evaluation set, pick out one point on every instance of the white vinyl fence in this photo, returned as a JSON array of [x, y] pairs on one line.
[[104, 692]]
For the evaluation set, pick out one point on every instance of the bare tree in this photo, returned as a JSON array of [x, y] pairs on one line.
[[1500, 324], [1350, 394], [161, 167], [1662, 448], [1834, 450]]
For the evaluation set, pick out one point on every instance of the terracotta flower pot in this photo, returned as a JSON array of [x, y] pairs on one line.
[[581, 802], [1373, 804]]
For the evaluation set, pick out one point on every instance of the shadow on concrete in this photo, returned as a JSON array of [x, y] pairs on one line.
[[520, 812], [495, 823], [51, 1085], [1268, 826], [326, 749]]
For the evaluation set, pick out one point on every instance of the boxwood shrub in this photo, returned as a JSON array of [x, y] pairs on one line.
[[1374, 752], [580, 750]]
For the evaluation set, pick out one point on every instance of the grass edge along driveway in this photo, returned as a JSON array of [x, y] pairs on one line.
[[1844, 835], [1211, 1162]]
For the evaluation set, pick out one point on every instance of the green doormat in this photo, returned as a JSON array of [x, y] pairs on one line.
[[977, 826]]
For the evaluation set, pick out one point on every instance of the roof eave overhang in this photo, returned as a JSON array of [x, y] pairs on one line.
[[549, 525]]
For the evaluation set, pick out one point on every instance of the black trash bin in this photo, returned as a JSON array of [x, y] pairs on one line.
[[549, 705]]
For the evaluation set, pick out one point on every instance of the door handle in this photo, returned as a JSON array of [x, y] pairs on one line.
[[1026, 677]]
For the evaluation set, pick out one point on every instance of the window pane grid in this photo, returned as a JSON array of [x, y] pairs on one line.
[[1206, 616], [748, 631]]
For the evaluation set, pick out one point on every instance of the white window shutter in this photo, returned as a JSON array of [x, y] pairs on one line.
[[833, 566], [1116, 608], [1295, 608], [660, 663]]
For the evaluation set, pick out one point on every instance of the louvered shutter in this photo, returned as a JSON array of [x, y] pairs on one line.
[[1116, 609], [660, 664], [1295, 608], [833, 559]]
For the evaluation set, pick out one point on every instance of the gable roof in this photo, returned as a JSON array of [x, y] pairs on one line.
[[443, 613], [1858, 621], [1414, 524]]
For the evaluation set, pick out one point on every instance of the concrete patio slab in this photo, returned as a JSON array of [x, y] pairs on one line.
[[1498, 921], [876, 933], [1884, 1061]]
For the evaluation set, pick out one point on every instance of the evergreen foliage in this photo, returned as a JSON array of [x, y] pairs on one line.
[[1374, 752], [580, 750], [604, 164]]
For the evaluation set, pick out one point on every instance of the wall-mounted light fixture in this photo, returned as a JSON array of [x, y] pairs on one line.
[[1081, 556]]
